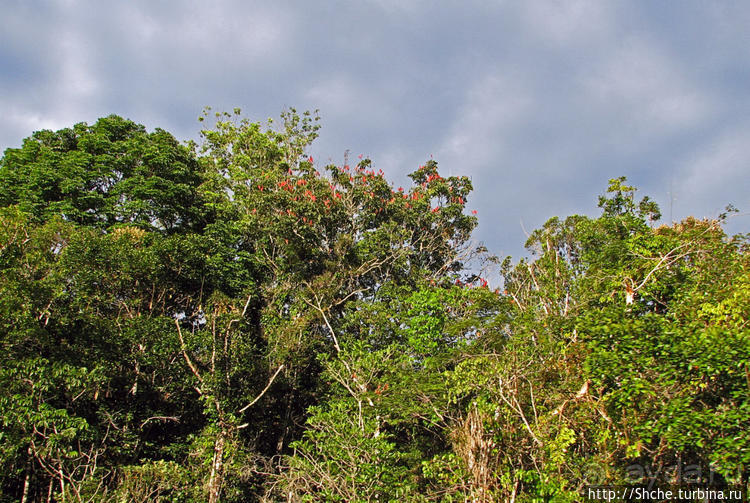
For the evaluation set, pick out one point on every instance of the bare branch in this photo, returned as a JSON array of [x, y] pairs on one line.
[[160, 418], [246, 305], [270, 382], [193, 368], [318, 308]]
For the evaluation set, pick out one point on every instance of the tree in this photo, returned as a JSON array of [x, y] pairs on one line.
[[320, 245], [612, 360], [94, 211], [113, 172]]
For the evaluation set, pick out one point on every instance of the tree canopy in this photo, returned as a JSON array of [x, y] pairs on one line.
[[230, 320]]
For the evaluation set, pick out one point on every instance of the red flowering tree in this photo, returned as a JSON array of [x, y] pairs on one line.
[[313, 241]]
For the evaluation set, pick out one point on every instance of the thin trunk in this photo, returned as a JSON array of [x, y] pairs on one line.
[[27, 478], [62, 485], [217, 470], [285, 428]]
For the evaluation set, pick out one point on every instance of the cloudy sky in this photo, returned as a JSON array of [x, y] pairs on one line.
[[539, 102]]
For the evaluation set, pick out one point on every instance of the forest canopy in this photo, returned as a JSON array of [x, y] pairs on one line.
[[231, 321]]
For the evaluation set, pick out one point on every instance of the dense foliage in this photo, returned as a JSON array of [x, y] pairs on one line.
[[230, 321]]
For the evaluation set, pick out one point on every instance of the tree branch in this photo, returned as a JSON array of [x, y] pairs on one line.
[[193, 368], [325, 319], [270, 382]]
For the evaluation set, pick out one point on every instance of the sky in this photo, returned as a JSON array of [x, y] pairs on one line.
[[539, 102]]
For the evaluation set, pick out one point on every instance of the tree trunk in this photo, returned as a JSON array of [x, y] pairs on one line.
[[27, 478], [62, 484], [216, 479], [285, 425]]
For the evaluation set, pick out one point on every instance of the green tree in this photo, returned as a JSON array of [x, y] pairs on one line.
[[619, 349], [86, 302], [101, 175], [320, 244]]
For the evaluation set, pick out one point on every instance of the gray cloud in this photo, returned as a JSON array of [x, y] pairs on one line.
[[540, 102]]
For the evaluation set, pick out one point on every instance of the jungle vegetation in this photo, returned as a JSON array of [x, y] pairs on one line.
[[228, 321]]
